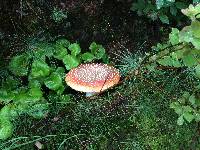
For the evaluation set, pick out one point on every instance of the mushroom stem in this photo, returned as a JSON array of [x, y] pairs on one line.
[[88, 94]]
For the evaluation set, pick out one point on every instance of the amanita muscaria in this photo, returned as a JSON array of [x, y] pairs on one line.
[[92, 78]]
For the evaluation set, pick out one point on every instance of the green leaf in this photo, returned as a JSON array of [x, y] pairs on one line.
[[192, 11], [188, 116], [60, 52], [70, 62], [54, 81], [195, 27], [164, 19], [186, 34], [197, 70], [97, 50], [35, 94], [38, 110], [5, 96], [196, 43], [19, 65], [75, 49], [40, 69], [177, 107], [192, 99], [88, 57], [180, 120], [174, 36], [190, 60], [159, 3]]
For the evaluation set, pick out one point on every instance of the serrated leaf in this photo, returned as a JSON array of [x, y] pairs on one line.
[[88, 57], [75, 49], [40, 69], [164, 19], [174, 36], [54, 81], [70, 62], [19, 65]]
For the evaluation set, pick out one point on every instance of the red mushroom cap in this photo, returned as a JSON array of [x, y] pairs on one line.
[[92, 77]]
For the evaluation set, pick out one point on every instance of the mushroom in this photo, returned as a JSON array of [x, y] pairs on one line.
[[92, 78]]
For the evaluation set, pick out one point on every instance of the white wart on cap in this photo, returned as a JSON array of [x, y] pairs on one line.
[[92, 78]]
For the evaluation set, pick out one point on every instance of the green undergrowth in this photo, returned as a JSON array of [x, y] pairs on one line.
[[137, 116]]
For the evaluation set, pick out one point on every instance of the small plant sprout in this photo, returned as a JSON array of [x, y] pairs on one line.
[[92, 78]]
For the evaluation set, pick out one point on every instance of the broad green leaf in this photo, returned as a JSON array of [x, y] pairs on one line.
[[197, 70], [164, 19], [60, 52], [174, 36], [70, 62], [74, 48], [192, 11], [166, 61], [180, 120], [159, 3], [60, 90], [186, 34], [177, 107], [190, 60], [35, 94], [54, 81], [196, 43], [188, 116], [195, 27], [88, 57], [40, 69], [97, 50], [19, 65], [38, 110]]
